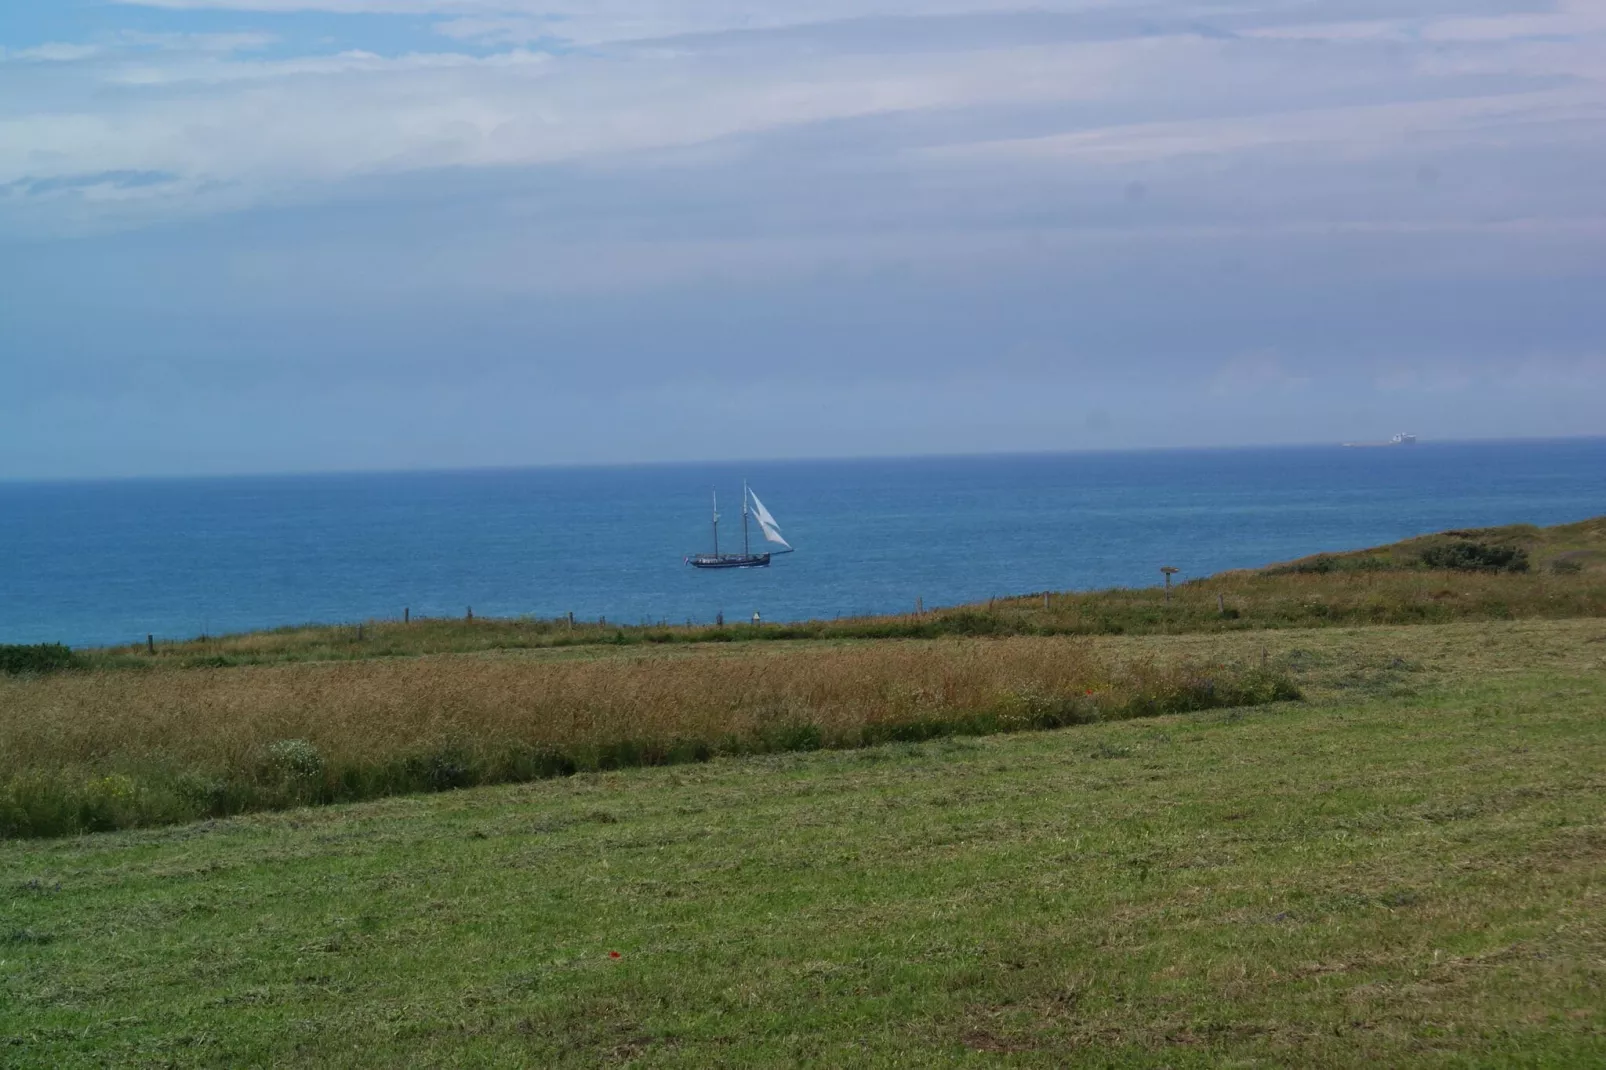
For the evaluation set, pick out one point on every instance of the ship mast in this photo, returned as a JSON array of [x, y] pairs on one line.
[[716, 523], [746, 551]]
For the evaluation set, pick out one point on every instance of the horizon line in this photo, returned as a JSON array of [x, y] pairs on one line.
[[313, 473]]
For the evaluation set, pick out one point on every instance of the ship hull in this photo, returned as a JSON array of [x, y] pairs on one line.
[[729, 560]]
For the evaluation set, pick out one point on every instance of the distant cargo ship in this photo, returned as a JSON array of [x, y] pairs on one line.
[[1404, 438]]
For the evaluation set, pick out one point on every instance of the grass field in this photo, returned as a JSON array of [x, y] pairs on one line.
[[90, 751], [1402, 869]]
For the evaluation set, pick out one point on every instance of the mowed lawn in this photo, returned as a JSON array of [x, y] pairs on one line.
[[1405, 868]]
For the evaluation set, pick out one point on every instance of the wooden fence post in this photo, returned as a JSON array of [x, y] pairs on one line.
[[150, 644], [407, 614]]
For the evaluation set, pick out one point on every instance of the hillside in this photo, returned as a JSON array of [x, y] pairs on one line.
[[1566, 549], [1402, 870]]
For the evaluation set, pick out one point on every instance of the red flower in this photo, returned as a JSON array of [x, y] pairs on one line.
[[613, 954]]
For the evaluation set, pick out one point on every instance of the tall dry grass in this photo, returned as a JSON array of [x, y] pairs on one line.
[[117, 748]]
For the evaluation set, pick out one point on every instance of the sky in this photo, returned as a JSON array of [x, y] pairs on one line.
[[305, 235]]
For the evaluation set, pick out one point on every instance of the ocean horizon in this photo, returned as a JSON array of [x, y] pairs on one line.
[[107, 561]]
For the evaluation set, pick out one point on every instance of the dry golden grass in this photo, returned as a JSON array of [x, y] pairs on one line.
[[193, 741], [351, 710]]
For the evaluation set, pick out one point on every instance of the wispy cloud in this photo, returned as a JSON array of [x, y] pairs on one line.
[[127, 42], [1089, 92], [103, 180], [205, 43], [51, 52]]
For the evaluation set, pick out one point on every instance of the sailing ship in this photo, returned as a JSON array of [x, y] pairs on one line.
[[745, 559]]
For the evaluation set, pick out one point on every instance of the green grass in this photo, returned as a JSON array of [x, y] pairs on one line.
[[1402, 870], [1581, 544], [1384, 585]]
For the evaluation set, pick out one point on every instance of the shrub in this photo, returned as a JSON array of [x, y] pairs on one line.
[[1475, 557], [293, 761], [1323, 564], [442, 768], [40, 658]]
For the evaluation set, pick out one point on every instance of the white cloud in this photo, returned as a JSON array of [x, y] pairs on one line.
[[596, 20], [196, 42], [1318, 111], [126, 41], [441, 110], [53, 52], [1575, 19], [1359, 129]]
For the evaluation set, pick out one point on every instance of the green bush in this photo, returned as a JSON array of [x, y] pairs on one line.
[[1324, 564], [292, 760], [39, 658], [1475, 557]]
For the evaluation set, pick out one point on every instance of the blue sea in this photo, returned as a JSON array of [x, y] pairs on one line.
[[90, 563]]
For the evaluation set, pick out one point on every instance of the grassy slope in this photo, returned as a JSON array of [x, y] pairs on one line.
[[1253, 599], [1582, 544], [1403, 869]]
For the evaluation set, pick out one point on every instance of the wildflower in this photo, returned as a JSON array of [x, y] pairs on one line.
[[613, 954]]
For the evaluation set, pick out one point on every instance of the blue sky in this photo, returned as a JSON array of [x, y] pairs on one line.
[[271, 235]]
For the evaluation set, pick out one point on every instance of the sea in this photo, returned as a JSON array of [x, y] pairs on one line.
[[100, 563]]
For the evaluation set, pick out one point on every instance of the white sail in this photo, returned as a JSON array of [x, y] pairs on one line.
[[773, 534], [766, 522], [759, 511]]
